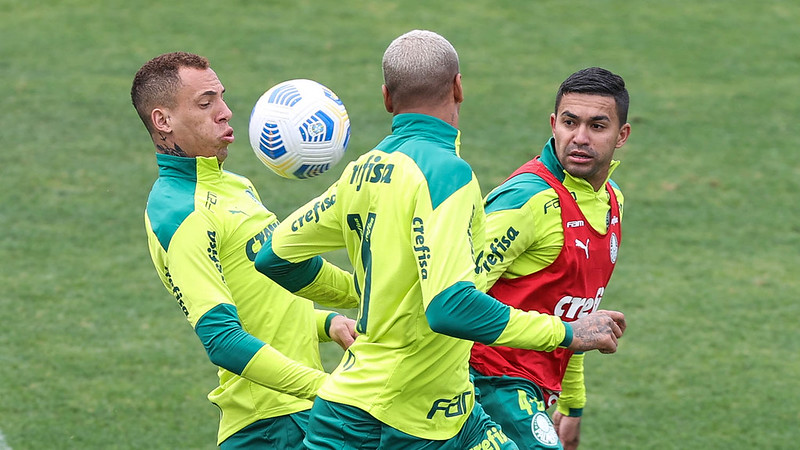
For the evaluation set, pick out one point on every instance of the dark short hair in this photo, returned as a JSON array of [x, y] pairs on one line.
[[158, 81], [597, 81]]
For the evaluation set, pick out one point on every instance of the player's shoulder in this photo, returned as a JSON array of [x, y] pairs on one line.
[[170, 203], [441, 170], [516, 192], [241, 179], [187, 207]]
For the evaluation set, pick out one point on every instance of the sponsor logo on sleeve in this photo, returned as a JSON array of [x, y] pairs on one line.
[[213, 253], [312, 214], [252, 246], [176, 291], [422, 251], [496, 251]]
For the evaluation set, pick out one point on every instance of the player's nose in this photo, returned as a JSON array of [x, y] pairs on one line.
[[226, 113]]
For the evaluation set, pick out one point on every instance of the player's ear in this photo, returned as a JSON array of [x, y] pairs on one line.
[[624, 132], [458, 89], [387, 99], [161, 120]]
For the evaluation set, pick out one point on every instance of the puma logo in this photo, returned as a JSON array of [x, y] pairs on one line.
[[585, 246]]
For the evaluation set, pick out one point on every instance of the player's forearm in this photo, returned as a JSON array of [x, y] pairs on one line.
[[534, 331], [273, 369], [314, 278], [573, 388], [331, 287], [226, 343], [291, 276], [229, 346], [464, 312]]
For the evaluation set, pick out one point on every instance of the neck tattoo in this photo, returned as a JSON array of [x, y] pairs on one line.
[[167, 150]]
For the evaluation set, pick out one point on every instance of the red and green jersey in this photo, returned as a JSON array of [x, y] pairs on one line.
[[552, 244]]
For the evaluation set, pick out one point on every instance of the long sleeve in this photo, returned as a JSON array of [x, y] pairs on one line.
[[573, 393]]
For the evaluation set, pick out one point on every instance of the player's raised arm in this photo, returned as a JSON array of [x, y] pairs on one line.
[[305, 273]]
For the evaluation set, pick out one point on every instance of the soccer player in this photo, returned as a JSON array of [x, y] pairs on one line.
[[552, 234], [204, 228], [408, 213]]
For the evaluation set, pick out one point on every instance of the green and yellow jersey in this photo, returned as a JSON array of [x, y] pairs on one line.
[[410, 215], [204, 228]]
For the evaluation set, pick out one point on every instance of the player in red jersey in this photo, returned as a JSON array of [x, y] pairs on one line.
[[552, 238]]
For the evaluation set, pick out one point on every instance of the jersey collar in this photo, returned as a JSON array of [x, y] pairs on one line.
[[413, 124], [197, 169]]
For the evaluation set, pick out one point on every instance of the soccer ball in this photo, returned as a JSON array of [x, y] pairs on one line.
[[299, 129]]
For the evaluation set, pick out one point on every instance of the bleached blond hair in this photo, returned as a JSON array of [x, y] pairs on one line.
[[419, 68]]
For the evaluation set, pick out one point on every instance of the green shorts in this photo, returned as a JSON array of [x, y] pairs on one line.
[[284, 432], [516, 404], [335, 426]]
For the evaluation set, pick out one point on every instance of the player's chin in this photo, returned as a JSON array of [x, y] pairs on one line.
[[222, 153], [580, 170]]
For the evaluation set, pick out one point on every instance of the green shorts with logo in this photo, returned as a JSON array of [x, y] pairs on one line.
[[517, 405], [284, 432], [344, 427]]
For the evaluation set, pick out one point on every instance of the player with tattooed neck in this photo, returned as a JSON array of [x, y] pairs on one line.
[[204, 228]]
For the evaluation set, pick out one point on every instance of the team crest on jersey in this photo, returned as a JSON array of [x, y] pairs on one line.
[[614, 248], [543, 430]]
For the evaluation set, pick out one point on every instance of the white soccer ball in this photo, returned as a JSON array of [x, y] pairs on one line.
[[299, 129]]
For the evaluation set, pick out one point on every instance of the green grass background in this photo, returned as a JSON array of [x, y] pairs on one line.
[[94, 353]]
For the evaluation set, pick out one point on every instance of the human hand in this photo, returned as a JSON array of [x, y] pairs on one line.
[[597, 331], [343, 330], [568, 430]]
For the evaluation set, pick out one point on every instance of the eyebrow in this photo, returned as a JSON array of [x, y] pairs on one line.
[[212, 93], [593, 118]]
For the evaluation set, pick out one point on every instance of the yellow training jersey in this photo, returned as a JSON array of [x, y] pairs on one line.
[[409, 213], [204, 228]]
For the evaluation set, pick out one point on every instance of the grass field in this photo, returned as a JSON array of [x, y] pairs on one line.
[[95, 354]]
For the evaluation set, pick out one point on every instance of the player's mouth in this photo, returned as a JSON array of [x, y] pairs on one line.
[[579, 156], [228, 135]]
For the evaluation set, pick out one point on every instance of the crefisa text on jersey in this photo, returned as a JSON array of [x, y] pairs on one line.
[[423, 251], [256, 242], [497, 247], [176, 291], [312, 214], [213, 255], [572, 308], [371, 171]]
